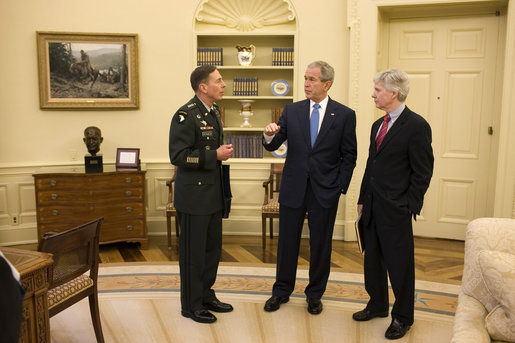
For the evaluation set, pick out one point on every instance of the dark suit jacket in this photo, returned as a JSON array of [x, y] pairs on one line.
[[11, 304], [194, 137], [328, 165], [397, 175]]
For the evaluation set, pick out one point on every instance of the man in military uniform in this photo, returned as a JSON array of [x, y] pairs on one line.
[[196, 148]]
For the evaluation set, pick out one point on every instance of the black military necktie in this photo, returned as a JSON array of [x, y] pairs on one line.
[[213, 113]]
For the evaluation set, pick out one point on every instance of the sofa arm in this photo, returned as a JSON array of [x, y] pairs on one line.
[[469, 321]]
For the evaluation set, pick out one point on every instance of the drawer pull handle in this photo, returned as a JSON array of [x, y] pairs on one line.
[[53, 196], [128, 179], [53, 183], [128, 193], [130, 227], [128, 209], [55, 212]]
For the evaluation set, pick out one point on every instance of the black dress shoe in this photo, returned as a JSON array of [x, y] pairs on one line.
[[314, 306], [275, 302], [200, 316], [216, 305], [397, 329], [365, 315]]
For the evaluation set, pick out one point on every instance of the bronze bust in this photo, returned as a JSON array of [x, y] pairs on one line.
[[93, 138]]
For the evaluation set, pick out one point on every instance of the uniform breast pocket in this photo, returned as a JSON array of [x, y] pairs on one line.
[[208, 139], [199, 180]]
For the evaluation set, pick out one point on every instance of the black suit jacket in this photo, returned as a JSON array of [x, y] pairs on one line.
[[397, 175], [11, 304], [328, 164]]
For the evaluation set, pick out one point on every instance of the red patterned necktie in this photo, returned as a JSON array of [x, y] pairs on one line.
[[382, 131]]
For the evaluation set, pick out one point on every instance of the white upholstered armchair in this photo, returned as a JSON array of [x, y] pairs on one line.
[[486, 303]]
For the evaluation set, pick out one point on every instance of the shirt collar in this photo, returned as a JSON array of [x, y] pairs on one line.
[[323, 103], [396, 112], [208, 108]]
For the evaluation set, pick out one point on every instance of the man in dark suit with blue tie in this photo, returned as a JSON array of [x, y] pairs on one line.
[[321, 135], [397, 175]]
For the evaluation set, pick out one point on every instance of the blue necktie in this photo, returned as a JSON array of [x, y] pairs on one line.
[[313, 123]]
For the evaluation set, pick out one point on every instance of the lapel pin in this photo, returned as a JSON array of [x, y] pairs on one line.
[[332, 114]]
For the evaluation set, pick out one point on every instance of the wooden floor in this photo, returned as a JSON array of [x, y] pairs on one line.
[[436, 260]]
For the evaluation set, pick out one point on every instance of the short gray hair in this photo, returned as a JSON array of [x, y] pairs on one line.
[[394, 80], [326, 71]]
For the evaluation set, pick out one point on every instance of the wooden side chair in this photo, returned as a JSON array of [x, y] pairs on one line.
[[170, 210], [75, 252], [270, 209]]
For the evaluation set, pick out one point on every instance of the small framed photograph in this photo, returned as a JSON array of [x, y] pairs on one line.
[[127, 158], [87, 70]]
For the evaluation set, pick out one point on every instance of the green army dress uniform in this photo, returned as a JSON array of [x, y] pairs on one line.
[[195, 134]]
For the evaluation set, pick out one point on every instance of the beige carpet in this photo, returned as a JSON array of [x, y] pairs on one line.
[[140, 303]]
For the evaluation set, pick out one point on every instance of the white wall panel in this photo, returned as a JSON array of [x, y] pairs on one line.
[[465, 43], [160, 192], [463, 114], [419, 99], [27, 201], [456, 204], [4, 216], [416, 44]]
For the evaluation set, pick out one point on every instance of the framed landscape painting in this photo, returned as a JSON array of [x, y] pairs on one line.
[[87, 70]]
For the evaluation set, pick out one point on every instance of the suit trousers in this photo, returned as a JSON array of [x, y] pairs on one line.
[[389, 251], [321, 226], [200, 248]]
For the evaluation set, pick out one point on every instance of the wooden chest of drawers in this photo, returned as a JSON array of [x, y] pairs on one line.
[[66, 200]]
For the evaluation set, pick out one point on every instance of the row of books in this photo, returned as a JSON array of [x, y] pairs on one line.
[[214, 56], [245, 86], [246, 146], [282, 56]]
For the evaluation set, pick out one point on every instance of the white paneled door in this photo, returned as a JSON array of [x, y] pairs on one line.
[[452, 68]]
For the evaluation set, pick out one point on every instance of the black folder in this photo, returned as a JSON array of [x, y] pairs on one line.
[[358, 225], [226, 180]]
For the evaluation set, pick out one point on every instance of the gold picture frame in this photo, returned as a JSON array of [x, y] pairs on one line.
[[88, 70]]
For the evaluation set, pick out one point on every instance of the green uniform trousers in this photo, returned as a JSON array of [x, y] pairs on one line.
[[200, 248]]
